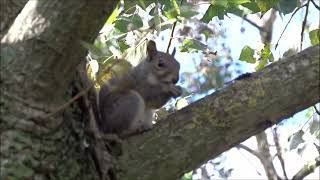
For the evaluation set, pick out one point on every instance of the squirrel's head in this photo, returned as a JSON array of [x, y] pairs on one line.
[[164, 66]]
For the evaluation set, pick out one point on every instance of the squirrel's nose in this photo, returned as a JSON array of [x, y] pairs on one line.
[[175, 80]]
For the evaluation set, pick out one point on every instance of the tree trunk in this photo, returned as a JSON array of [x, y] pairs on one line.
[[39, 57], [9, 11]]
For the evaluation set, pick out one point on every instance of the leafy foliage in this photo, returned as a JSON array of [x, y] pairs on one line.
[[192, 45], [287, 6], [265, 56], [238, 7], [247, 54], [315, 36]]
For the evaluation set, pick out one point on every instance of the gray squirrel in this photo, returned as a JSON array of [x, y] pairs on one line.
[[127, 105]]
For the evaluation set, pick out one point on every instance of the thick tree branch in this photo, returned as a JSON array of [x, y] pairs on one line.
[[39, 57], [43, 45], [307, 169], [210, 126]]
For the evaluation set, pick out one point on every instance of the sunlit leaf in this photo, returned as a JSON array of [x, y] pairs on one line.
[[247, 55], [314, 36], [265, 5], [262, 64], [252, 6], [113, 15], [187, 176], [192, 45], [265, 55], [240, 1]]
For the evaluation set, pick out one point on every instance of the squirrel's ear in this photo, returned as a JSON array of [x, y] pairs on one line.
[[151, 49], [173, 52]]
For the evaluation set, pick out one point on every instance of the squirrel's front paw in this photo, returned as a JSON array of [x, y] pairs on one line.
[[175, 90]]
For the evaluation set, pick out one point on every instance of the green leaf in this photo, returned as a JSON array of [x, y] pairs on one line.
[[287, 6], [91, 48], [265, 5], [171, 8], [314, 36], [187, 176], [247, 55], [266, 52], [171, 13], [130, 23], [252, 6], [236, 11], [129, 5], [220, 3], [240, 1], [113, 15], [212, 11], [262, 64], [265, 55], [122, 45], [187, 11], [191, 45]]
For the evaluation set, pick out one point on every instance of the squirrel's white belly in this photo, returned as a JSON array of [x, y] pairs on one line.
[[143, 120]]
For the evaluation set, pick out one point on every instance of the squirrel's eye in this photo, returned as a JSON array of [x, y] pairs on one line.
[[161, 64]]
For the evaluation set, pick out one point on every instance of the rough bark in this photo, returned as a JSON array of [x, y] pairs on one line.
[[39, 57], [9, 11], [208, 127]]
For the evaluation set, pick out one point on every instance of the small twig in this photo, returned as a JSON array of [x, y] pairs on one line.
[[288, 23], [304, 22], [279, 154], [249, 150], [171, 35], [172, 31], [315, 108], [253, 23], [315, 5]]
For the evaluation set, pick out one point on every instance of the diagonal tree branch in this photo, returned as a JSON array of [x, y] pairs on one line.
[[307, 169], [210, 126]]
